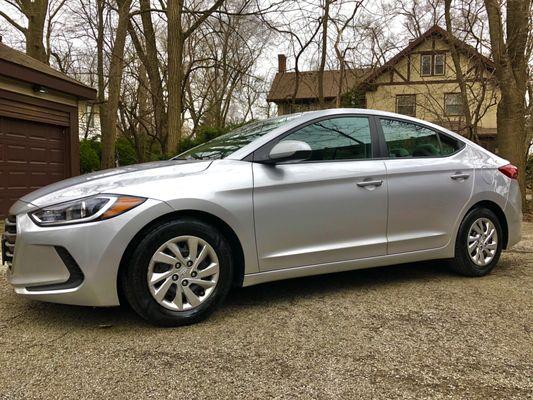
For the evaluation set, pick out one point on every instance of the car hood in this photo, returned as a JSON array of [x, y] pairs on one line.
[[112, 180]]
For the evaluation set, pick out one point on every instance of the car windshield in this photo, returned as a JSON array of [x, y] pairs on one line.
[[222, 146]]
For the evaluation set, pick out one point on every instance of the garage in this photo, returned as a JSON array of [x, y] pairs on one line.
[[39, 141]]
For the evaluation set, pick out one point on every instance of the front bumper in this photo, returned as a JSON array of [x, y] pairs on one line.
[[41, 270]]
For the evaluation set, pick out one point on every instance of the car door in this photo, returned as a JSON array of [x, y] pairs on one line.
[[332, 207], [429, 184]]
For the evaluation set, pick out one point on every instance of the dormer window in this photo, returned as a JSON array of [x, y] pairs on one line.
[[425, 64], [432, 64], [439, 60]]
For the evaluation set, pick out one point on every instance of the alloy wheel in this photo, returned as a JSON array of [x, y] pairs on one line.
[[183, 273], [482, 242]]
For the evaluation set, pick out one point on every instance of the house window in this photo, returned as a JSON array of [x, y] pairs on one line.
[[406, 104], [432, 64], [425, 64], [439, 61], [453, 104]]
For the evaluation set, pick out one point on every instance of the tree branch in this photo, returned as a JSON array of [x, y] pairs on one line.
[[13, 22]]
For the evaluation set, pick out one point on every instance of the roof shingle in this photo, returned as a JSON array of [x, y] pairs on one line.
[[283, 85]]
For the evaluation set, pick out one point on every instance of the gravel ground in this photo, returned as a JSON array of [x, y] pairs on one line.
[[410, 332]]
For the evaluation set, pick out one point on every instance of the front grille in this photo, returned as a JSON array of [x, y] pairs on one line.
[[8, 240]]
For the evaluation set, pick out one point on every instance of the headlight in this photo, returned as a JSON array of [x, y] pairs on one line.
[[88, 209]]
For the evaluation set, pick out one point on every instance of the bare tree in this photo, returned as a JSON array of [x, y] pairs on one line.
[[146, 47], [226, 60], [418, 16], [38, 14], [116, 65], [177, 34]]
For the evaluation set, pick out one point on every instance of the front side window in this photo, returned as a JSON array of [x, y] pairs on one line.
[[425, 64], [406, 104], [344, 138], [405, 139], [453, 104]]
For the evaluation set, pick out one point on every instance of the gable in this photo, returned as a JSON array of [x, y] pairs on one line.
[[407, 65]]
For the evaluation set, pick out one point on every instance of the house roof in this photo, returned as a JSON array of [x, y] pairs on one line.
[[282, 88], [17, 65]]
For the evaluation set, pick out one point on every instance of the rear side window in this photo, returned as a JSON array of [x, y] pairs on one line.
[[344, 138], [405, 139]]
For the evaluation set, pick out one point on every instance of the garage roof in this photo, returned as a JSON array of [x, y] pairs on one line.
[[17, 65]]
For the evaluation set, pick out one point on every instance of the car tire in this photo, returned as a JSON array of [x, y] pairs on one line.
[[141, 295], [476, 221]]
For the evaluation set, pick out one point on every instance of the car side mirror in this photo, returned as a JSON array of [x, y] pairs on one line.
[[289, 150]]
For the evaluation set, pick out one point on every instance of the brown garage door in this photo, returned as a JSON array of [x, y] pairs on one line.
[[32, 155]]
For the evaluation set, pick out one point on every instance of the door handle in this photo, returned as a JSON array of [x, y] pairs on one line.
[[458, 176], [370, 183]]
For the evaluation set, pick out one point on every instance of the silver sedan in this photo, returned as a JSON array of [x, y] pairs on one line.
[[291, 196]]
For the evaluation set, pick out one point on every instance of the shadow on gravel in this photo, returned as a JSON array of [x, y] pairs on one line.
[[319, 285], [240, 298]]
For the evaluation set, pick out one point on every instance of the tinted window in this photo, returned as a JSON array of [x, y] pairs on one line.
[[346, 138], [405, 139], [449, 145]]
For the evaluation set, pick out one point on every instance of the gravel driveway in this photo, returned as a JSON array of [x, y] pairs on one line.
[[413, 331]]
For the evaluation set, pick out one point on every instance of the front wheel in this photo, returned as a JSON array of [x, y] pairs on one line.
[[479, 243], [178, 273]]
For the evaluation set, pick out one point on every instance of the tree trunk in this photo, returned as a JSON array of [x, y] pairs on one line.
[[175, 76], [152, 69], [36, 14], [323, 55], [512, 134], [114, 84], [342, 73], [102, 103], [509, 49], [142, 138]]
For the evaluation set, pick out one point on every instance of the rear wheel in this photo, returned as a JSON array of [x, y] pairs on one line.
[[178, 273], [479, 243]]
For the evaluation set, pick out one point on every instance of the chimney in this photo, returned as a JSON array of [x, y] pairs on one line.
[[282, 63]]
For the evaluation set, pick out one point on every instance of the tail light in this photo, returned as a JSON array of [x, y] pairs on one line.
[[509, 170]]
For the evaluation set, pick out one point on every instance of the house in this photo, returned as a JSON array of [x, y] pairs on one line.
[[419, 81], [39, 141]]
